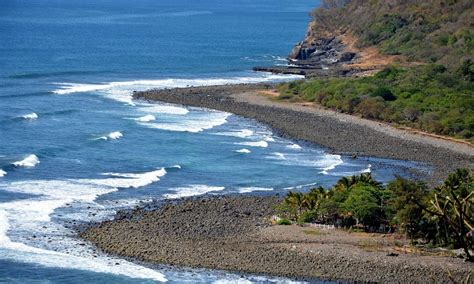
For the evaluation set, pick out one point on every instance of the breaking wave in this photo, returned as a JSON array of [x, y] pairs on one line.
[[243, 151], [252, 189], [324, 162], [33, 217], [30, 116], [162, 108], [262, 144], [146, 118], [294, 146], [344, 174], [192, 124], [112, 136], [29, 162], [192, 190], [244, 133]]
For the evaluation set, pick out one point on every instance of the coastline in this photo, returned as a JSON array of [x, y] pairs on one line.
[[233, 233], [339, 133]]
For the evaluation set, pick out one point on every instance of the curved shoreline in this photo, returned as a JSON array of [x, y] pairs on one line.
[[233, 233], [340, 133]]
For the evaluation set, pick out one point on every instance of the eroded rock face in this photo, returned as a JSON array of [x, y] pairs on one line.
[[320, 52]]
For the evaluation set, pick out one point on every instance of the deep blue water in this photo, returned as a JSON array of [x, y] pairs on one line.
[[74, 147]]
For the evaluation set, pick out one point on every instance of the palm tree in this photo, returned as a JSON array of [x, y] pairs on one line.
[[295, 203], [453, 203], [313, 199]]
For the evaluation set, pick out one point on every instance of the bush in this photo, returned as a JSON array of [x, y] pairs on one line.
[[307, 217], [370, 108], [283, 221], [384, 93], [441, 216], [430, 97]]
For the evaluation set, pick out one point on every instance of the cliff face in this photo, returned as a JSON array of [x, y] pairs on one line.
[[416, 31], [360, 37], [322, 51]]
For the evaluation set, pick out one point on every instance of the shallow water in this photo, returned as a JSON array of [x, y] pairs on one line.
[[75, 147]]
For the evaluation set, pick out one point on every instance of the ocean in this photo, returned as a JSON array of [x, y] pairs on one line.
[[75, 147]]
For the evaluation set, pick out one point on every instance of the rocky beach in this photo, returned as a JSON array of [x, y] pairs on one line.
[[234, 233], [340, 133], [237, 232]]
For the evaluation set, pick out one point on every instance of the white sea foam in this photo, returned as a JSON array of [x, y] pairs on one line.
[[294, 146], [29, 162], [70, 88], [252, 189], [301, 186], [244, 133], [334, 161], [123, 91], [368, 169], [243, 151], [349, 173], [262, 144], [23, 253], [33, 217], [192, 190], [2, 173], [324, 162], [193, 124], [268, 138], [115, 135], [162, 108], [279, 156], [128, 180], [146, 118], [112, 136], [30, 116]]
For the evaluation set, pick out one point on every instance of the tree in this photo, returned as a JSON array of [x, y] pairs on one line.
[[405, 198], [294, 204], [365, 203], [453, 202], [313, 199]]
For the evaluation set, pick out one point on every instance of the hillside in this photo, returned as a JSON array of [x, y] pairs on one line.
[[423, 53]]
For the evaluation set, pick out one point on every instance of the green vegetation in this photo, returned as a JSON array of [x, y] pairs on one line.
[[437, 31], [443, 216], [437, 96], [283, 221], [427, 97]]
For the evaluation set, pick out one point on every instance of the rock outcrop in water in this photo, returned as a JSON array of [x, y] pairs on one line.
[[329, 51], [319, 56]]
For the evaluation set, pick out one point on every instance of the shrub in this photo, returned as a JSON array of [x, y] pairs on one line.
[[431, 97], [285, 96], [370, 108], [307, 217], [441, 216], [283, 221], [384, 93]]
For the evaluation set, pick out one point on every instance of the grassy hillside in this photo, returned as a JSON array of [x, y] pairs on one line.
[[436, 96], [430, 31]]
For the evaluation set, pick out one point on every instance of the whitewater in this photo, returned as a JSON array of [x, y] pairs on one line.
[[76, 148]]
